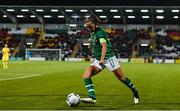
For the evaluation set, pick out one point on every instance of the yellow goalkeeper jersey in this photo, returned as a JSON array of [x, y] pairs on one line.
[[6, 51]]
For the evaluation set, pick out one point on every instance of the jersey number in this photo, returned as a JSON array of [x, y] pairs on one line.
[[111, 62]]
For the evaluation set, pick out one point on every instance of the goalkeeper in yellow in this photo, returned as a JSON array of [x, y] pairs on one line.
[[5, 57]]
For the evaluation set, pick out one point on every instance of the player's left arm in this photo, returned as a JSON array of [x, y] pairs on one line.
[[104, 50], [2, 51]]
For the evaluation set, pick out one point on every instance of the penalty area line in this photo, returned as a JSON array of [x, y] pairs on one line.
[[21, 77]]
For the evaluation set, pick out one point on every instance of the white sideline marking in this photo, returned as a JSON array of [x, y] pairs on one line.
[[21, 77]]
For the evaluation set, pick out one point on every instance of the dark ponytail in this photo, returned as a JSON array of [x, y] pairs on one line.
[[95, 19]]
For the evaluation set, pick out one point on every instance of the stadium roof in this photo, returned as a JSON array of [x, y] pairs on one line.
[[76, 14], [93, 2]]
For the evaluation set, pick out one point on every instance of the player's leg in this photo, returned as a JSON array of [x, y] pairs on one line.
[[3, 62], [119, 74], [7, 61], [90, 71], [6, 64], [113, 65]]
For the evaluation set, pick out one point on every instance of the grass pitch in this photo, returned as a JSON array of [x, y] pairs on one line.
[[28, 85]]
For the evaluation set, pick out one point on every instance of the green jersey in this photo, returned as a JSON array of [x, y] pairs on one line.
[[97, 48]]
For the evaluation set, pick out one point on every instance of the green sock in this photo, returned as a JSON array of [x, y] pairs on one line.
[[129, 83], [90, 88]]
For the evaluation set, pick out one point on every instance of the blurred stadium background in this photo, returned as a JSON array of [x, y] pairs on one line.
[[44, 34], [150, 33]]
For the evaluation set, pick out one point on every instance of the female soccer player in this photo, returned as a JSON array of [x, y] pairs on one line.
[[5, 57], [104, 57]]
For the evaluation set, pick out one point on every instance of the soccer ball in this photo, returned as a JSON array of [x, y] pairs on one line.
[[73, 99]]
